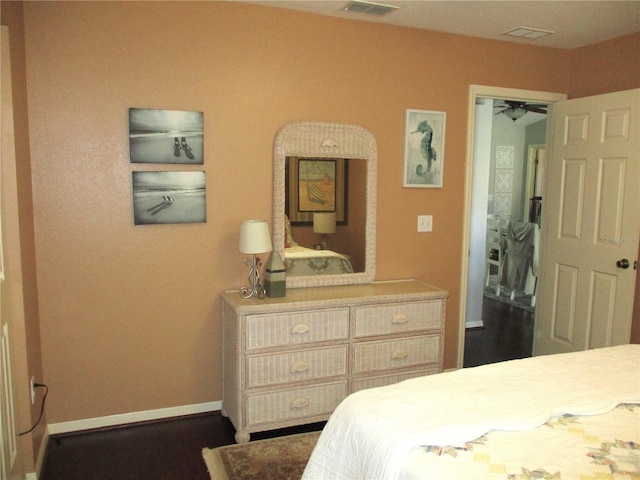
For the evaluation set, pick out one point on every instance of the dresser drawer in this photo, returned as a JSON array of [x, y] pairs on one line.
[[382, 380], [316, 363], [301, 402], [398, 318], [404, 352], [293, 328]]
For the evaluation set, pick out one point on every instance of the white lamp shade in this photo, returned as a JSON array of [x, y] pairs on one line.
[[255, 237], [324, 222]]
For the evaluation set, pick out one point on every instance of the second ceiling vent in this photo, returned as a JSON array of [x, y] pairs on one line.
[[370, 8]]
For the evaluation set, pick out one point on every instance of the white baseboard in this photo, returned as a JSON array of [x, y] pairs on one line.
[[474, 324], [133, 417]]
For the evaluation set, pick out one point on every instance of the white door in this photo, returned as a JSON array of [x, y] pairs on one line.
[[591, 217]]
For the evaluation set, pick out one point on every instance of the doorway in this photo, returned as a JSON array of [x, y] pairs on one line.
[[508, 159], [474, 254]]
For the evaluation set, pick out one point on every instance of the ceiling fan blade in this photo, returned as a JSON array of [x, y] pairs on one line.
[[514, 103], [530, 108]]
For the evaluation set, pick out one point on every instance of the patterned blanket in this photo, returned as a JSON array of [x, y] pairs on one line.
[[569, 447], [306, 261]]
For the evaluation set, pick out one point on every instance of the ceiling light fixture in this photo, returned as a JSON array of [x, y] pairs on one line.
[[514, 113], [370, 8], [528, 32]]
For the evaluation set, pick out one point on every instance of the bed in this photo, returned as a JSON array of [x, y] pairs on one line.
[[299, 260], [565, 416]]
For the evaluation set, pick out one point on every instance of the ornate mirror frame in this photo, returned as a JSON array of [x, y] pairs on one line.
[[325, 140]]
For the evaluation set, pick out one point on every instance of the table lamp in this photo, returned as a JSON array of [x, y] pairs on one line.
[[324, 223], [254, 238]]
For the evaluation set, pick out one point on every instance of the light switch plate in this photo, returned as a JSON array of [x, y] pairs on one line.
[[425, 223]]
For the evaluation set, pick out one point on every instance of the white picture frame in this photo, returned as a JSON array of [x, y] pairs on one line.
[[424, 141]]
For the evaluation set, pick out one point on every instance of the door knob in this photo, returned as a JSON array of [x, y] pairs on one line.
[[624, 263]]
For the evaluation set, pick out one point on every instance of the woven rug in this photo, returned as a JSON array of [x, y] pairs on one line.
[[281, 458]]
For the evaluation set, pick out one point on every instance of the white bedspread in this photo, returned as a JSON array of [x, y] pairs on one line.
[[372, 431]]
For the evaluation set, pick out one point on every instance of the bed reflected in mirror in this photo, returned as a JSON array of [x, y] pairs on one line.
[[326, 215]]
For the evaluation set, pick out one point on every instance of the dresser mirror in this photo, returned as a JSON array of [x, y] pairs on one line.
[[341, 161]]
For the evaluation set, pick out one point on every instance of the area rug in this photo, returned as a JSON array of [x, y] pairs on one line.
[[281, 458]]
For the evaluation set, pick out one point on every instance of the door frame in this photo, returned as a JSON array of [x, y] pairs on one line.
[[531, 174], [502, 93]]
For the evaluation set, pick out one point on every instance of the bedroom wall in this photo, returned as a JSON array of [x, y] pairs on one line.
[[129, 316], [610, 66], [11, 14]]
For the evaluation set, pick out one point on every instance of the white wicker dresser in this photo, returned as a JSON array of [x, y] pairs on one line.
[[291, 360]]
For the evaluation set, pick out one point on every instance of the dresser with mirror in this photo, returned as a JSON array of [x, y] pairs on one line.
[[291, 360]]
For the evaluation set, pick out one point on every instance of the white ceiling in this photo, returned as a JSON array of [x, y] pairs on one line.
[[576, 22]]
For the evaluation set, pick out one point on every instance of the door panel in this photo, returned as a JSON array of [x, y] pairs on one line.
[[603, 293], [613, 173], [572, 199], [591, 221], [565, 307]]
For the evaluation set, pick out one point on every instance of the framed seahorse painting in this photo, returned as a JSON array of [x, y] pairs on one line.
[[424, 132]]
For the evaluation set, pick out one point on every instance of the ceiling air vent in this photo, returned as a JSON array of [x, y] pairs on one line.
[[528, 32], [370, 8]]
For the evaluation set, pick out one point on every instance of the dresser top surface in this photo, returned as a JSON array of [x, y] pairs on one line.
[[344, 295]]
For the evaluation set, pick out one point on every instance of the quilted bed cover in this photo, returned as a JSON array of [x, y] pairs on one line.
[[300, 260], [496, 420]]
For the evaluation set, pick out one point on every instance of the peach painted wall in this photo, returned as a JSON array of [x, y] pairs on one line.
[[609, 66], [130, 316], [11, 15]]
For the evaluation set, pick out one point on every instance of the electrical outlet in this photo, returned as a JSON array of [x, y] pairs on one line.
[[33, 390], [425, 223]]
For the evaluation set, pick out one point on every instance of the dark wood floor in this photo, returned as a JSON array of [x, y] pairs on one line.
[[159, 450], [171, 449], [507, 334]]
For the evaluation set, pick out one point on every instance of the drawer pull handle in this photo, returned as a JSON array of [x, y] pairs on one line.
[[300, 366], [400, 318], [300, 403], [399, 354], [300, 328]]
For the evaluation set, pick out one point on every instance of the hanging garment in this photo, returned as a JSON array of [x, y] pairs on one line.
[[518, 255]]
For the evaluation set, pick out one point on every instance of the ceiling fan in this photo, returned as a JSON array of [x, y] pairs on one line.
[[515, 109]]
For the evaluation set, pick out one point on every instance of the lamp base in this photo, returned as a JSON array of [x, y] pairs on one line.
[[256, 289], [324, 242]]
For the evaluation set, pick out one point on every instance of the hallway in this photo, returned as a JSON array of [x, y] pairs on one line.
[[507, 334]]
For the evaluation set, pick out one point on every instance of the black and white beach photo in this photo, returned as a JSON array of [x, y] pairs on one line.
[[165, 136], [169, 197]]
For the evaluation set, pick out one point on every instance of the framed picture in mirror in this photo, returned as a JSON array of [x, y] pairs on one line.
[[315, 185]]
